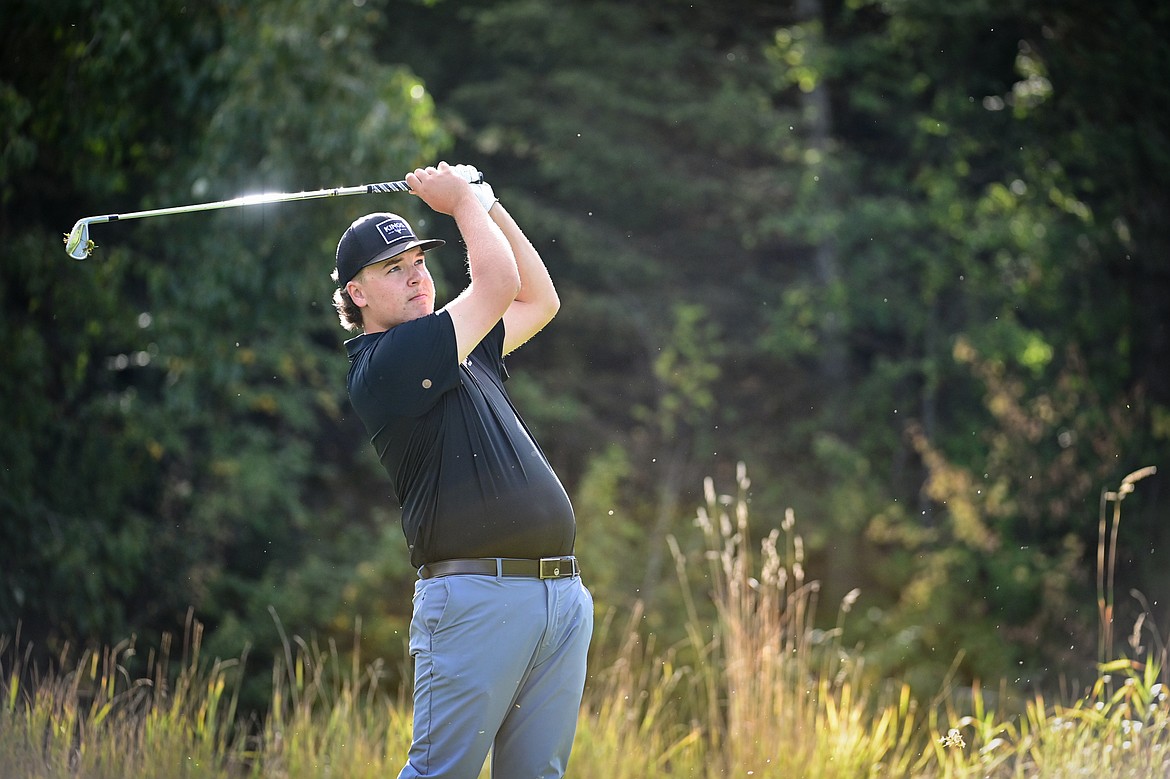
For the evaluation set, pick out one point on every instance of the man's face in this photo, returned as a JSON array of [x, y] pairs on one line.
[[394, 291]]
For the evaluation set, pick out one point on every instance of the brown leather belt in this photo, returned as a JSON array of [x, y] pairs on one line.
[[544, 568]]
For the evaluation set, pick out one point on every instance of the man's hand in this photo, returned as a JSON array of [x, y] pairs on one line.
[[441, 187], [481, 189], [485, 195]]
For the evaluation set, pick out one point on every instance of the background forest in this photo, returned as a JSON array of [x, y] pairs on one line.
[[906, 260]]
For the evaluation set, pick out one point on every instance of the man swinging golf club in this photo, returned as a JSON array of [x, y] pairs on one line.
[[501, 622]]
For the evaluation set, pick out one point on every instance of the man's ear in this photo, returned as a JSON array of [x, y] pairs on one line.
[[356, 294]]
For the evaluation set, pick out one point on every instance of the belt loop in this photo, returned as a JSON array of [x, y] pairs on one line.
[[499, 568]]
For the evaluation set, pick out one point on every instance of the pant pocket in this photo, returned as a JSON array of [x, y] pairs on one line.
[[430, 603]]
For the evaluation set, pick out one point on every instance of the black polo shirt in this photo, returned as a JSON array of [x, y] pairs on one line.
[[469, 476]]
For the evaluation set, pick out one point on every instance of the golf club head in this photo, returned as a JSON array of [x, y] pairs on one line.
[[77, 243]]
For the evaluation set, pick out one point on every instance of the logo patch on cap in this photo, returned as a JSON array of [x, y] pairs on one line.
[[393, 230]]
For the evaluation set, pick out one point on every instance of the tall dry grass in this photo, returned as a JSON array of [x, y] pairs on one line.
[[630, 725], [331, 716], [756, 689], [782, 697], [92, 718]]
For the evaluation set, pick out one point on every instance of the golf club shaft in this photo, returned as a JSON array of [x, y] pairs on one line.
[[254, 200], [78, 245]]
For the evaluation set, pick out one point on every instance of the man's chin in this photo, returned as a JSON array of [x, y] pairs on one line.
[[419, 308]]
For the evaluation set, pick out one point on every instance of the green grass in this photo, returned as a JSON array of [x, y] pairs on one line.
[[90, 718], [755, 690]]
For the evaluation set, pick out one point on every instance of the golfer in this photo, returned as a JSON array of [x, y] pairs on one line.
[[501, 623]]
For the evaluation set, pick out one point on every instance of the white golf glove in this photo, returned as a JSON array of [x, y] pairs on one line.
[[483, 190]]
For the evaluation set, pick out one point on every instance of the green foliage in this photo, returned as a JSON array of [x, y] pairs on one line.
[[76, 499], [905, 258], [192, 387], [867, 196], [649, 191]]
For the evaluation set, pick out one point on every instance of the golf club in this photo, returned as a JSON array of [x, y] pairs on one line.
[[79, 246]]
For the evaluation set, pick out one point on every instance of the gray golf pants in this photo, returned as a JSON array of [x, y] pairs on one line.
[[499, 666]]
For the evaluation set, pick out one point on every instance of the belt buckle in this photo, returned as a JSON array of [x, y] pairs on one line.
[[550, 567]]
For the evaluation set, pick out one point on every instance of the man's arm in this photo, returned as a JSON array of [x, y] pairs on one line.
[[495, 280], [537, 302]]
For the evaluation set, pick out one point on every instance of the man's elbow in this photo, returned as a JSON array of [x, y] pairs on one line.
[[509, 284], [551, 304], [544, 300]]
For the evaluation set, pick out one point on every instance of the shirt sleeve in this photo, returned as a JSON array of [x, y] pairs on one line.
[[407, 369]]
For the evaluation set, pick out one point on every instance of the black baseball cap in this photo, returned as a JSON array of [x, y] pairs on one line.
[[373, 238]]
